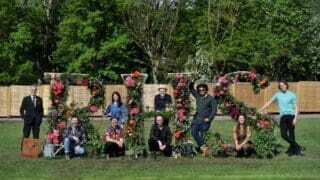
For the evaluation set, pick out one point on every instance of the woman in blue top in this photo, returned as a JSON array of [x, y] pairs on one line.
[[117, 109]]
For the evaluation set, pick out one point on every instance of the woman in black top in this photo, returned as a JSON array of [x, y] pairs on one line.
[[160, 137]]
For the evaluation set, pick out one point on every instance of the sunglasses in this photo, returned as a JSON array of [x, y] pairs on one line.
[[201, 90]]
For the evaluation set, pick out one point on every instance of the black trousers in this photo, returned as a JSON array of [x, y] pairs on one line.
[[33, 125], [154, 146], [287, 133], [113, 150]]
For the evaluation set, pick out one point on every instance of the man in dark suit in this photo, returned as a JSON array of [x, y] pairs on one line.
[[31, 112]]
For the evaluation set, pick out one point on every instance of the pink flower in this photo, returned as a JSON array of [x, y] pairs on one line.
[[129, 82], [57, 87], [264, 124], [252, 76], [243, 72], [181, 114], [130, 101], [227, 104], [134, 111], [93, 108], [235, 79], [221, 93], [53, 137], [223, 80]]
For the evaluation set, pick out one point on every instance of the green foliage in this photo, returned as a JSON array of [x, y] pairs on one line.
[[265, 143]]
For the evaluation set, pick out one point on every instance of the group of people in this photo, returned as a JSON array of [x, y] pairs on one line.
[[31, 111]]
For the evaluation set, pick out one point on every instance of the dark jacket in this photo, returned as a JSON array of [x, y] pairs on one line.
[[160, 103], [28, 111], [79, 132], [206, 106], [163, 135]]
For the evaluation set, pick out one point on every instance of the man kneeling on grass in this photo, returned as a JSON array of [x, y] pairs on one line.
[[74, 139]]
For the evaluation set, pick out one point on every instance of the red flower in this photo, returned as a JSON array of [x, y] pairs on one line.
[[175, 93], [93, 108], [234, 113], [85, 81], [136, 74], [179, 77]]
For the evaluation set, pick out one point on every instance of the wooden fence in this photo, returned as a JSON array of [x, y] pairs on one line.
[[308, 94]]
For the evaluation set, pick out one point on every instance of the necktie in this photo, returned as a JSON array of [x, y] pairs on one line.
[[34, 101]]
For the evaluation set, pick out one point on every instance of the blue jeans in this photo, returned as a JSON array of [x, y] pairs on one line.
[[197, 130], [69, 146]]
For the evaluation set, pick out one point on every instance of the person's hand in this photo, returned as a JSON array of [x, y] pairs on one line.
[[162, 147], [76, 139], [160, 144], [206, 119], [119, 144], [294, 122], [238, 147]]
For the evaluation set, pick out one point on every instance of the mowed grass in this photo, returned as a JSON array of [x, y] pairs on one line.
[[13, 166]]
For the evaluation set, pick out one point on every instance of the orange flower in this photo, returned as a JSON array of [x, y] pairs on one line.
[[68, 113], [136, 74], [94, 93], [263, 82], [177, 134], [132, 122]]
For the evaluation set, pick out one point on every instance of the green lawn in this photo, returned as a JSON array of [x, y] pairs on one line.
[[13, 166]]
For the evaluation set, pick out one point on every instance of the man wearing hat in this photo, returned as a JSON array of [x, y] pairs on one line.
[[162, 99]]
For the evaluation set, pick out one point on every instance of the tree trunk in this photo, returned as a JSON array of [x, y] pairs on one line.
[[155, 60]]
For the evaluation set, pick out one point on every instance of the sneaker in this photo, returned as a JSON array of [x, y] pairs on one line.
[[204, 150], [107, 156], [68, 156]]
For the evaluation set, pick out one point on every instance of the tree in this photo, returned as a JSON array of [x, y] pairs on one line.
[[93, 40], [151, 24], [20, 37]]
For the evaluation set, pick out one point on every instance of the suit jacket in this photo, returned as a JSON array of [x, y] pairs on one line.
[[29, 112]]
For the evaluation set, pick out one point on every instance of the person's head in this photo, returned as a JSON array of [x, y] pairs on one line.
[[242, 119], [114, 122], [33, 90], [202, 89], [159, 120], [74, 121], [283, 86], [116, 98], [162, 91]]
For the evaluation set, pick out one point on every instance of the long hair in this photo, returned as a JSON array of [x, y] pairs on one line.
[[284, 82], [119, 101], [245, 125]]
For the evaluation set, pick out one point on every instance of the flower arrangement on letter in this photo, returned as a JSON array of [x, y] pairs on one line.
[[134, 127], [180, 83], [60, 112], [263, 124]]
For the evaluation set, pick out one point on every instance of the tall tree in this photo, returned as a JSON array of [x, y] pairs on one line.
[[151, 24], [93, 40]]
